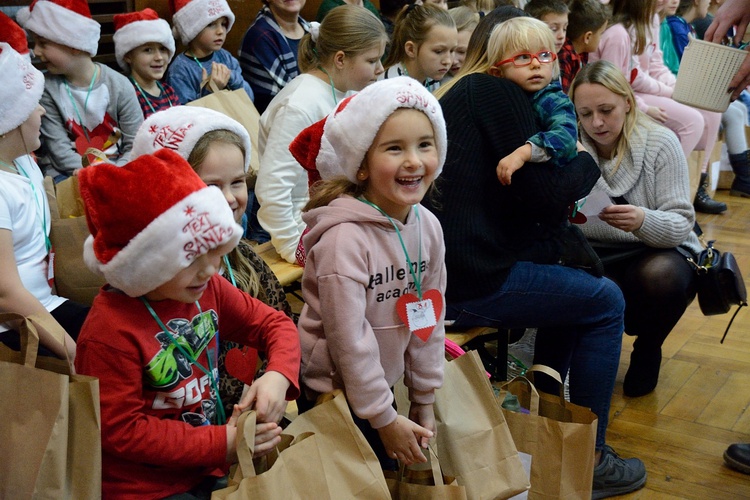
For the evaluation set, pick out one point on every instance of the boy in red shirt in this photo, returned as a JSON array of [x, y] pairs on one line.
[[158, 237]]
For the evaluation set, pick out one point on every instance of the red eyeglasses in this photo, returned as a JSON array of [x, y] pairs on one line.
[[525, 58]]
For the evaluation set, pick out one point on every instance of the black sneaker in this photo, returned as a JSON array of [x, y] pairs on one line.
[[617, 476]]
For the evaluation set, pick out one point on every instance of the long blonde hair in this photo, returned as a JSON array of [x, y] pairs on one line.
[[635, 15], [607, 75], [245, 275]]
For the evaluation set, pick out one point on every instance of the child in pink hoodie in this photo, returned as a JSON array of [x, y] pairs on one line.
[[375, 275]]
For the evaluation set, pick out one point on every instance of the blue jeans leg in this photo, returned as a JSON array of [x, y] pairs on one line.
[[580, 322]]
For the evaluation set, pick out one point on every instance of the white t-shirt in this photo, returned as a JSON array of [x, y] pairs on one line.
[[281, 186], [23, 211]]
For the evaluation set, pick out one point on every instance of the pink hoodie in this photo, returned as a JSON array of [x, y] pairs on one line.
[[350, 333]]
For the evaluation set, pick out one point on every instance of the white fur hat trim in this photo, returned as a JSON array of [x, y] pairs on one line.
[[192, 18], [21, 87], [158, 253], [139, 33], [60, 25]]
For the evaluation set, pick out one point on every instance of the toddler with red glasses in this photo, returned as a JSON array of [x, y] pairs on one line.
[[524, 49]]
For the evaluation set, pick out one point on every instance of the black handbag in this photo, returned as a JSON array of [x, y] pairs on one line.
[[720, 284]]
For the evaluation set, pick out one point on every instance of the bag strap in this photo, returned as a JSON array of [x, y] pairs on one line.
[[437, 473], [550, 372], [732, 321], [534, 394], [246, 443], [28, 336]]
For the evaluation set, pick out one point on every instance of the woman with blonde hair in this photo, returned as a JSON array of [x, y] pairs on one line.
[[644, 173]]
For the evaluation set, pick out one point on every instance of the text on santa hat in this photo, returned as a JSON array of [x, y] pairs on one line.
[[411, 99], [206, 235], [165, 137]]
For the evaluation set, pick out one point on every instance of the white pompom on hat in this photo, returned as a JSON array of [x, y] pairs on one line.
[[139, 28], [12, 34], [190, 17], [67, 22], [337, 144], [181, 127], [139, 246], [21, 87]]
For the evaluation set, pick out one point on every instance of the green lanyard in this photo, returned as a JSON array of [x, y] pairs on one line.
[[333, 88], [417, 282], [41, 214], [85, 102], [229, 270], [145, 97], [220, 415]]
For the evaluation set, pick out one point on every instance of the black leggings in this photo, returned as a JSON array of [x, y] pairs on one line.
[[658, 286], [69, 314]]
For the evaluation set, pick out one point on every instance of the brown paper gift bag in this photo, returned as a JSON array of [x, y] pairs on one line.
[[428, 483], [474, 442], [51, 427], [69, 201], [235, 104], [323, 455], [559, 436]]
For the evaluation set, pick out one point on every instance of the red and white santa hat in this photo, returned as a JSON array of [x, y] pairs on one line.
[[181, 127], [336, 145], [67, 22], [21, 87], [138, 28], [12, 34], [142, 236], [191, 16]]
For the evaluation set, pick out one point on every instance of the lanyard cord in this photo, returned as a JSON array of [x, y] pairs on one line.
[[145, 96], [333, 88], [417, 282], [41, 214], [221, 416], [229, 271], [85, 102]]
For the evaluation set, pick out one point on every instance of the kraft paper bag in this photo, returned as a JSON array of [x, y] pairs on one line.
[[69, 201], [474, 443], [323, 455], [235, 104], [424, 481], [559, 436], [73, 279], [51, 426]]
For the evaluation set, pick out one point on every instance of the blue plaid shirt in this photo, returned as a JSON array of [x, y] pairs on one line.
[[556, 117]]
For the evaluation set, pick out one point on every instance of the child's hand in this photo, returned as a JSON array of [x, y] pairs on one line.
[[400, 439], [220, 75], [268, 396], [424, 416], [267, 437], [512, 162], [657, 114]]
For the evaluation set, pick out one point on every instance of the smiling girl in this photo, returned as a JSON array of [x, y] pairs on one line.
[[361, 329], [424, 41]]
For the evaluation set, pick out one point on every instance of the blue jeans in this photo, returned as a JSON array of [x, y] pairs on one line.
[[580, 324]]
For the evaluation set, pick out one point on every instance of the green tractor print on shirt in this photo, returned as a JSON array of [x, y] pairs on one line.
[[170, 365]]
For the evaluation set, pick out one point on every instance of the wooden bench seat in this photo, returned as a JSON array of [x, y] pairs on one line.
[[285, 272]]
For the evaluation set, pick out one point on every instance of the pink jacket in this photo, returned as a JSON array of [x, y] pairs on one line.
[[646, 73], [350, 333]]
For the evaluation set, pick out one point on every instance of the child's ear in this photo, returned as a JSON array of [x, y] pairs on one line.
[[411, 49], [587, 37], [495, 71], [338, 59]]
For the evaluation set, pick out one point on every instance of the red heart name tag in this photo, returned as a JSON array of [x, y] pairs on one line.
[[242, 364], [415, 313]]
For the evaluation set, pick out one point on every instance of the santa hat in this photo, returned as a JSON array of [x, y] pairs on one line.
[[12, 34], [21, 87], [336, 145], [67, 22], [192, 16], [138, 28], [181, 127], [150, 219]]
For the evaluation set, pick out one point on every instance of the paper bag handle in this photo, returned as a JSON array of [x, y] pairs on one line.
[[551, 372], [534, 400], [28, 335], [437, 473], [246, 442]]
